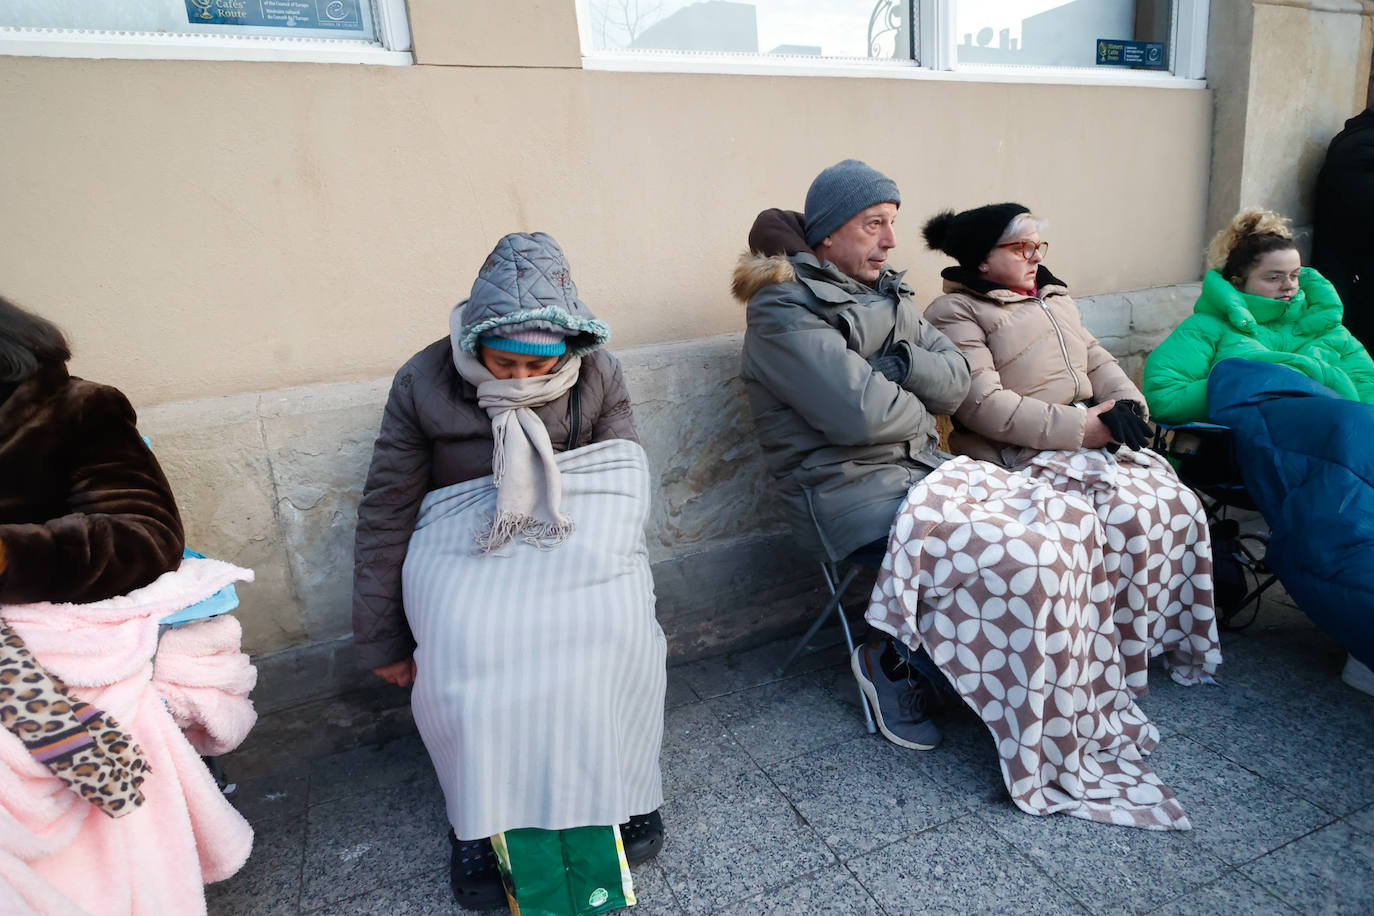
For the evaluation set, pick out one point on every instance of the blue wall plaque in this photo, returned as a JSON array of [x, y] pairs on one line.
[[281, 14], [1147, 54]]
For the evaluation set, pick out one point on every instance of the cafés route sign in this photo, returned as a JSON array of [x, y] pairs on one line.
[[1120, 53], [281, 14]]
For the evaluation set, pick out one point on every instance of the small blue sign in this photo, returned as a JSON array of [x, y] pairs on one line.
[[280, 14], [1148, 55]]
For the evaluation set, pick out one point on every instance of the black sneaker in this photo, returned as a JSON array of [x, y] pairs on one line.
[[642, 836], [474, 875]]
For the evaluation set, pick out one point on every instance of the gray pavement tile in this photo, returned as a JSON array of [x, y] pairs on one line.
[[680, 693], [428, 894], [839, 680], [863, 794], [1336, 701], [713, 677], [285, 737], [1235, 813], [366, 769], [787, 718], [734, 839], [1230, 895], [280, 794], [697, 750], [966, 763], [1176, 709], [1329, 871], [367, 841], [653, 896], [270, 882], [1319, 751], [1268, 660], [958, 867], [1109, 869], [1362, 820], [830, 890]]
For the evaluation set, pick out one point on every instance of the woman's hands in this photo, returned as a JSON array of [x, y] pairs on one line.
[[1095, 432], [1116, 422], [401, 673]]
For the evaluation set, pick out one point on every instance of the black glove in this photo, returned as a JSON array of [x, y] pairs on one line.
[[1127, 426], [894, 366]]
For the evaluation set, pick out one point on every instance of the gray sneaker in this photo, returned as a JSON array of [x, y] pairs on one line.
[[899, 707]]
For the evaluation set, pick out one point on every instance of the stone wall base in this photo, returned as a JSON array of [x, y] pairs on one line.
[[272, 481]]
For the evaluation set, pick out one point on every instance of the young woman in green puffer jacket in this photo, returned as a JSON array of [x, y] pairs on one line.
[[1258, 302]]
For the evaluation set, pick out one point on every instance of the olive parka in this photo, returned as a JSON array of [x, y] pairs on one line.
[[843, 443], [1304, 333]]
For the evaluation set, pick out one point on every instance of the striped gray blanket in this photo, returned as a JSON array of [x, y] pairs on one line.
[[540, 673]]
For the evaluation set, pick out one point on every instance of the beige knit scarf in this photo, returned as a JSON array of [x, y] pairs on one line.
[[529, 487]]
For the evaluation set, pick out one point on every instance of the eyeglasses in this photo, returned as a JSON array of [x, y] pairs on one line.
[[1028, 248]]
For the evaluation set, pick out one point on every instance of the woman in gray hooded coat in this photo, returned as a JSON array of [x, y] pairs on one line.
[[523, 320]]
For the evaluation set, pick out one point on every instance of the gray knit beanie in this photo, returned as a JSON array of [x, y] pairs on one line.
[[839, 192]]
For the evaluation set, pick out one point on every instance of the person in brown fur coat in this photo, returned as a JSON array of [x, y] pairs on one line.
[[85, 511]]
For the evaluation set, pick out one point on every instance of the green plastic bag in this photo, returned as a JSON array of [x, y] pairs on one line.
[[574, 872]]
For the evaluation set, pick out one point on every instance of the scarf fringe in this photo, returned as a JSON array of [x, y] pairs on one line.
[[501, 530]]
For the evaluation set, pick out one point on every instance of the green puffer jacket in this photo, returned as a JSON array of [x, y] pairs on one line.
[[1304, 333], [843, 443]]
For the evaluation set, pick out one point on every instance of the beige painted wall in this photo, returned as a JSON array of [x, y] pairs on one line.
[[1309, 73], [1287, 75], [205, 228]]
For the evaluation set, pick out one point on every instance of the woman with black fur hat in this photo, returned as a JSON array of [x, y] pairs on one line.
[[1040, 379], [1048, 399]]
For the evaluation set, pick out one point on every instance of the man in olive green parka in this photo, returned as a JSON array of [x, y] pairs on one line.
[[844, 379], [844, 376]]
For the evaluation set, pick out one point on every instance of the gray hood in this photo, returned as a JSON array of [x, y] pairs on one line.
[[526, 280]]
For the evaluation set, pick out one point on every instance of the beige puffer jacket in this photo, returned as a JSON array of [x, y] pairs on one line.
[[1032, 363]]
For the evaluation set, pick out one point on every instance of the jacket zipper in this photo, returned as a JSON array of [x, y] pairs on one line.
[[1063, 348]]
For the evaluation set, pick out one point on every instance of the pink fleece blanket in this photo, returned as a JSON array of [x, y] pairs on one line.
[[60, 856]]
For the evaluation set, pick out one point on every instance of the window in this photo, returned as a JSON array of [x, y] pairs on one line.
[[363, 31], [1053, 33], [1072, 40], [786, 28]]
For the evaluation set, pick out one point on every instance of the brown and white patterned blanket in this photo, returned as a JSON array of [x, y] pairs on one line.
[[1042, 594]]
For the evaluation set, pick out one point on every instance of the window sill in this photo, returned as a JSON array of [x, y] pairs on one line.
[[742, 65], [165, 46]]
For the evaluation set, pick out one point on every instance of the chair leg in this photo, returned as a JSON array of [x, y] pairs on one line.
[[836, 592], [849, 641]]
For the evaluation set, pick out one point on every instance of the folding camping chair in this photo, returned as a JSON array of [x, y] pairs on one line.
[[838, 575], [1204, 456]]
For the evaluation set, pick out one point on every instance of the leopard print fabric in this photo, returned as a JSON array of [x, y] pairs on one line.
[[79, 744]]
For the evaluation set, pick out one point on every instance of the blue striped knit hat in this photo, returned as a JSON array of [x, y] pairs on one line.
[[531, 339]]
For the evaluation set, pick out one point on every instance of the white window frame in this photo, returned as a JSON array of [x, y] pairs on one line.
[[938, 57], [393, 33]]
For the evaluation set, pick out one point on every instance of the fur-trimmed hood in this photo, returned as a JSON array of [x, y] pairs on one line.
[[754, 272], [775, 235], [777, 250]]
